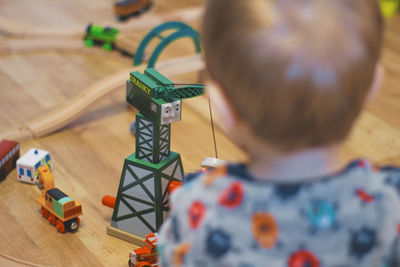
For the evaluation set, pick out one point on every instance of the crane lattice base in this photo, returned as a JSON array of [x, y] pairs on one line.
[[142, 200]]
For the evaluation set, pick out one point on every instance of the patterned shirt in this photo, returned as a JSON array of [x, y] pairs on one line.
[[228, 218]]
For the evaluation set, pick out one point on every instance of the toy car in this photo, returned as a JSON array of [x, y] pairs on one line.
[[28, 164]]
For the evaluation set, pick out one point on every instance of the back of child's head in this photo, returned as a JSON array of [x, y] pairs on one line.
[[296, 71]]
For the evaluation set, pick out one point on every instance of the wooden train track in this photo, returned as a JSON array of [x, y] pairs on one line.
[[6, 260], [73, 109], [29, 45], [11, 46], [145, 21]]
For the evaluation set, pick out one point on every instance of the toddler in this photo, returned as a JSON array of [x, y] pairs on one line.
[[289, 79]]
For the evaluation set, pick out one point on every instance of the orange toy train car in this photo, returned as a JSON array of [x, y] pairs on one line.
[[61, 210], [126, 8], [147, 255]]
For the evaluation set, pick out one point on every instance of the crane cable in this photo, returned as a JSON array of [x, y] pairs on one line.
[[212, 126], [209, 107]]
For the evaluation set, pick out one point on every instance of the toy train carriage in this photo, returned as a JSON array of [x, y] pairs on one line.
[[60, 210], [146, 255], [126, 8], [102, 36], [29, 163], [9, 154]]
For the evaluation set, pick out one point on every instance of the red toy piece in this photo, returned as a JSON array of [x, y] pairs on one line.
[[173, 185], [147, 255], [108, 201], [9, 153]]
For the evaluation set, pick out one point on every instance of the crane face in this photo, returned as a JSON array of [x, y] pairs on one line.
[[156, 97], [171, 112]]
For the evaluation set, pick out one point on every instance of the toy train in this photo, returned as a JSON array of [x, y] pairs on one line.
[[9, 154], [146, 255], [61, 210], [102, 36], [127, 8]]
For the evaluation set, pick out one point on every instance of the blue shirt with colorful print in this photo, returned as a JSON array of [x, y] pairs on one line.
[[228, 218]]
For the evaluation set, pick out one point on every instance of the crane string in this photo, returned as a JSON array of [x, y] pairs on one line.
[[212, 127], [209, 107]]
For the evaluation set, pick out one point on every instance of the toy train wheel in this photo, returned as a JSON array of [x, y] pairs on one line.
[[107, 47], [52, 219], [2, 174], [44, 212], [60, 226], [147, 7], [73, 224], [89, 43]]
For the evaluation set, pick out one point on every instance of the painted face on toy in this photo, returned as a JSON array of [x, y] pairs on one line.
[[171, 112]]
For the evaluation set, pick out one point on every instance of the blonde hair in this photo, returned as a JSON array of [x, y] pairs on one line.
[[297, 71]]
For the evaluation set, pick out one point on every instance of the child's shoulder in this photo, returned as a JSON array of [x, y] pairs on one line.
[[360, 189], [357, 171], [351, 210]]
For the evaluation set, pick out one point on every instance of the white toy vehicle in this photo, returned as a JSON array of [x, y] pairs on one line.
[[28, 164]]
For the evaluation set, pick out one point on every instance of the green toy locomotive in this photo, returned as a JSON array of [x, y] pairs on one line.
[[102, 36]]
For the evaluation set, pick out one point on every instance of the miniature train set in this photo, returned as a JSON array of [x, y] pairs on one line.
[[159, 102], [145, 174]]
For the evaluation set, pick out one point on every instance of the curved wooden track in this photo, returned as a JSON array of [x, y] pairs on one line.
[[11, 46], [145, 21], [6, 260], [70, 111], [16, 46]]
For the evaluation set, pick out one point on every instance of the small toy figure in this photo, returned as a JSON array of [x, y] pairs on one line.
[[9, 153], [146, 255], [124, 9], [29, 163], [61, 210]]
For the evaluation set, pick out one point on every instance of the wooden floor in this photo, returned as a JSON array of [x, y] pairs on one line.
[[89, 152]]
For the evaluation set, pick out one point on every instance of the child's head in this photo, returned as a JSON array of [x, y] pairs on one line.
[[297, 72]]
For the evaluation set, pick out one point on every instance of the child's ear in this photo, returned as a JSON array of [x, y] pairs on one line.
[[223, 110], [376, 82]]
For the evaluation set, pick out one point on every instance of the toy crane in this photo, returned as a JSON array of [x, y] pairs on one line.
[[141, 204]]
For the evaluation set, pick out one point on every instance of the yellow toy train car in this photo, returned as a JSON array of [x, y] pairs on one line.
[[61, 210]]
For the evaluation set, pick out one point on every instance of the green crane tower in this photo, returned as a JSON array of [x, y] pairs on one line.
[[142, 200]]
